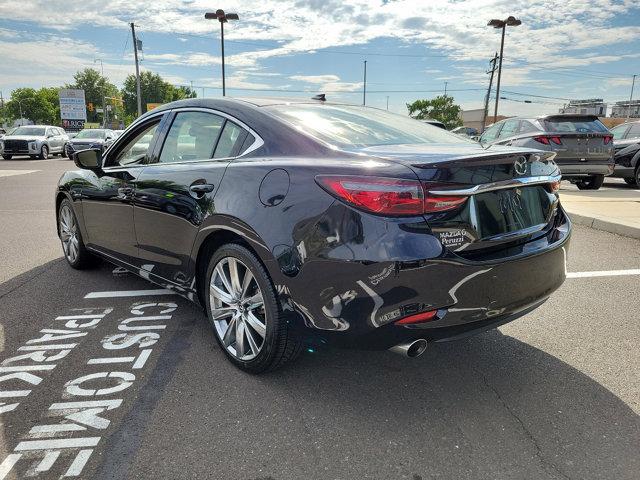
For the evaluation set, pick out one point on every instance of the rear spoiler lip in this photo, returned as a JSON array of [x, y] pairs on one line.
[[489, 156], [568, 116]]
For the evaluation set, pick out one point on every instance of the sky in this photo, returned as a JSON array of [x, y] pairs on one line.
[[564, 49]]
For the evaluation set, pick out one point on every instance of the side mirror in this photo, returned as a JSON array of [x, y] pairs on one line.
[[90, 159]]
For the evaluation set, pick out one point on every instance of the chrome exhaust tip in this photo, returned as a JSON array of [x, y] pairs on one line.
[[411, 349]]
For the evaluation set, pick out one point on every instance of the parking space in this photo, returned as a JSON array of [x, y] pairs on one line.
[[104, 378]]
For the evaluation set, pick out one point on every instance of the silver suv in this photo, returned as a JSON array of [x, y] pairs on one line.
[[583, 145], [35, 141]]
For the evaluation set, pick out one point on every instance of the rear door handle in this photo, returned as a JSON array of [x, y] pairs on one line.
[[202, 188]]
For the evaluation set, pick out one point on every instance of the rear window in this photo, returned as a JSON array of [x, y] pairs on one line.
[[574, 125], [351, 126]]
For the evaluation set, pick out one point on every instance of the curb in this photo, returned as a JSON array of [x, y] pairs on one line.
[[605, 225]]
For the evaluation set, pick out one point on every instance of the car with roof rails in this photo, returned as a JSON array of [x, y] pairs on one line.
[[37, 141], [626, 144], [298, 223], [582, 144]]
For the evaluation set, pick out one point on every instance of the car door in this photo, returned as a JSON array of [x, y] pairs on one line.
[[107, 197], [507, 132], [175, 193]]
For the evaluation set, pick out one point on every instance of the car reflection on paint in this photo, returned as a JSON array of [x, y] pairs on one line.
[[296, 223]]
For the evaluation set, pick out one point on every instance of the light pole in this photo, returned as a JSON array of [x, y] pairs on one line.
[[222, 18], [512, 22], [364, 89], [633, 84], [104, 107]]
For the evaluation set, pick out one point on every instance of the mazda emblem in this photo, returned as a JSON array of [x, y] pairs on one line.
[[520, 166]]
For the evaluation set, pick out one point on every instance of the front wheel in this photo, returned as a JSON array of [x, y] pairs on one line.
[[245, 313], [72, 243], [44, 152], [594, 182]]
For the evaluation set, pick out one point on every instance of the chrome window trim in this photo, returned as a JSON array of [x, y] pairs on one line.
[[489, 187]]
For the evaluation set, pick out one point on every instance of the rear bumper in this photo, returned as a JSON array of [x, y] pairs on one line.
[[579, 169], [356, 304]]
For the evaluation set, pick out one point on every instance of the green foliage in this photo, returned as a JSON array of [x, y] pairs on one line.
[[95, 87], [39, 106], [440, 108], [153, 89]]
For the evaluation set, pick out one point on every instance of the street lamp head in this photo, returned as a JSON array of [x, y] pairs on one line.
[[511, 21], [495, 23], [221, 16]]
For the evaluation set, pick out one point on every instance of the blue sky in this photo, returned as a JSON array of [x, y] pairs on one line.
[[564, 48]]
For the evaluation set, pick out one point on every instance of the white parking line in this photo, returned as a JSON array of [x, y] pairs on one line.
[[604, 273], [129, 293], [10, 173]]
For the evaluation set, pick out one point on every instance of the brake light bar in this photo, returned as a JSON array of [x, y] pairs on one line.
[[418, 318], [394, 197]]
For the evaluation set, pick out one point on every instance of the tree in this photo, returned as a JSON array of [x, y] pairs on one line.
[[440, 108], [39, 106], [95, 86], [153, 89]]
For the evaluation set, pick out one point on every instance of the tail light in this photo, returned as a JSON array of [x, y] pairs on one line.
[[608, 139], [387, 196], [418, 318], [546, 140]]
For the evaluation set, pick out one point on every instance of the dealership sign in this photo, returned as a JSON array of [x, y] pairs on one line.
[[72, 104]]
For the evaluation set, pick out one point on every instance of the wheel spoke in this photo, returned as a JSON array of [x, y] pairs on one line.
[[234, 276], [252, 343], [255, 301], [223, 312], [255, 323], [229, 334], [246, 281], [240, 347], [221, 295], [223, 278]]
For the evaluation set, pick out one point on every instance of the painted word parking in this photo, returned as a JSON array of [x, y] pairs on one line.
[[74, 423]]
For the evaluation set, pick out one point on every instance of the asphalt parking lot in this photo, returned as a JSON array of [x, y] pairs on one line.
[[105, 379]]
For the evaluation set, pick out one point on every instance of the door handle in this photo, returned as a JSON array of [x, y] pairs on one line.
[[200, 188]]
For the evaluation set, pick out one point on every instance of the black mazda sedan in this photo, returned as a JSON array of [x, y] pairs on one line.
[[312, 223]]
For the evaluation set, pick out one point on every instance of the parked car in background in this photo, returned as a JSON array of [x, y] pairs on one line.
[[35, 141], [117, 133], [466, 131], [90, 138], [2, 132], [583, 145], [626, 145], [299, 222]]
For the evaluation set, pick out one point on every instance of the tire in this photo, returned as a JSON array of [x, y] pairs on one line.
[[73, 247], [7, 157], [637, 175], [594, 182], [631, 181], [44, 153], [244, 314]]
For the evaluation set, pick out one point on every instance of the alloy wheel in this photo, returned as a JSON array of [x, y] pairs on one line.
[[237, 308], [69, 234]]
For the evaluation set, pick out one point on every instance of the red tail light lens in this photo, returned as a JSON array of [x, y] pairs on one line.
[[442, 203], [542, 139], [556, 140], [379, 195], [418, 318], [608, 139]]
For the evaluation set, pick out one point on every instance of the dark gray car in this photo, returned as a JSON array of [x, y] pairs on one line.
[[626, 141], [583, 145]]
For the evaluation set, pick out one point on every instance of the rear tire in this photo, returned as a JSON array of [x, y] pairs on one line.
[[7, 157], [71, 238], [594, 182], [630, 181], [246, 307]]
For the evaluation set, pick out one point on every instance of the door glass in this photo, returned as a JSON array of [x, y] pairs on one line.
[[227, 143], [619, 131], [527, 127], [634, 131], [137, 148], [192, 136], [490, 133], [509, 129]]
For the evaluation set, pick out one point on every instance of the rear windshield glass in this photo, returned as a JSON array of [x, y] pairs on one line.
[[561, 125], [28, 131], [352, 126]]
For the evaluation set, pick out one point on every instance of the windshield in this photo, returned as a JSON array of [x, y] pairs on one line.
[[618, 132], [351, 126], [91, 133], [574, 126], [36, 131]]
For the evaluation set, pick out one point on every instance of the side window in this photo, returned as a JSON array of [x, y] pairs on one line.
[[527, 127], [192, 136], [634, 131], [510, 128], [490, 133], [136, 146], [619, 131], [50, 132], [230, 140], [248, 141]]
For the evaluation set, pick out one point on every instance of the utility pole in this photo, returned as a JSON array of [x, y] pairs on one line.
[[445, 88], [135, 55], [104, 106], [387, 102], [633, 84], [486, 100], [364, 90]]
